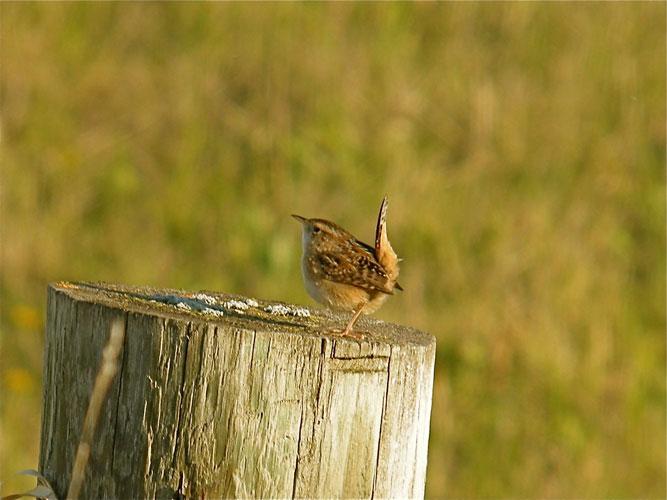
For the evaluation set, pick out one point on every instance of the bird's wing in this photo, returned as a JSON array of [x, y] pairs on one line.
[[356, 267]]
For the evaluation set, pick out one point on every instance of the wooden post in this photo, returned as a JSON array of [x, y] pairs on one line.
[[225, 396]]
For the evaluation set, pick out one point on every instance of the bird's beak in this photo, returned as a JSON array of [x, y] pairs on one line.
[[299, 218]]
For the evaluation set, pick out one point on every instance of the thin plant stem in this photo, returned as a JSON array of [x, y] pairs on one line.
[[105, 376]]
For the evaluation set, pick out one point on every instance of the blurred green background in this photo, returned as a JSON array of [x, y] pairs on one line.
[[522, 146]]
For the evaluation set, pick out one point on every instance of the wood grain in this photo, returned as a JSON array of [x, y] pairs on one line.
[[224, 396]]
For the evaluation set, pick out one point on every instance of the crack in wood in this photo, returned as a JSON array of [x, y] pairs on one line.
[[382, 425], [358, 365], [298, 455], [181, 391], [120, 378]]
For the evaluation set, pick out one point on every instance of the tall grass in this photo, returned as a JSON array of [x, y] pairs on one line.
[[522, 146]]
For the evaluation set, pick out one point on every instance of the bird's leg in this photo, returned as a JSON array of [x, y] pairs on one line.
[[348, 329]]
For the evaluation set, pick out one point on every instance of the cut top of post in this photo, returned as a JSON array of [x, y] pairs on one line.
[[247, 313]]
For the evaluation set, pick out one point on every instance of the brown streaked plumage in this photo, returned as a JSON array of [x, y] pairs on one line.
[[342, 272]]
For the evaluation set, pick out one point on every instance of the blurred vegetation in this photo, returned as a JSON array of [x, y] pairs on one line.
[[522, 146]]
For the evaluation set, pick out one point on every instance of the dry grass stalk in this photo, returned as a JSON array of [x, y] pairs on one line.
[[103, 381]]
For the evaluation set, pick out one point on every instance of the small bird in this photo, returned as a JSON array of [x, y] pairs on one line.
[[343, 273]]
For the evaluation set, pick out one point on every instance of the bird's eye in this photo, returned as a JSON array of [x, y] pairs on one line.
[[316, 230]]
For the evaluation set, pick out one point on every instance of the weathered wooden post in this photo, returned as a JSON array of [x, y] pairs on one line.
[[221, 396]]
